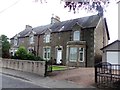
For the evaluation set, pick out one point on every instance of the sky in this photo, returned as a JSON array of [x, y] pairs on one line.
[[16, 14]]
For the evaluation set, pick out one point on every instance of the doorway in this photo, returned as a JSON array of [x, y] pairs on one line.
[[59, 55]]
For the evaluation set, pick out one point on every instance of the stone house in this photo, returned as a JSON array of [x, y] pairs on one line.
[[75, 42]]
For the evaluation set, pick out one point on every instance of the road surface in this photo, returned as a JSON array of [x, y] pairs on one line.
[[13, 82]]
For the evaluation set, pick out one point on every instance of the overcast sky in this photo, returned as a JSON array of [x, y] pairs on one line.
[[15, 14]]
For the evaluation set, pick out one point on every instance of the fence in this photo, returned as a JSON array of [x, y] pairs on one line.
[[107, 75]]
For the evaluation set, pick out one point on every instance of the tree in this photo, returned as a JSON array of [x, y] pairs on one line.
[[89, 5], [21, 53], [5, 46]]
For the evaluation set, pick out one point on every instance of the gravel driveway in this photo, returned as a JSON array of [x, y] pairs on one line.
[[82, 76]]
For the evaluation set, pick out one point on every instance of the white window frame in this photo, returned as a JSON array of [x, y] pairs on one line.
[[31, 39], [30, 49], [83, 53], [48, 53], [47, 38], [13, 51], [16, 41], [73, 60], [76, 36]]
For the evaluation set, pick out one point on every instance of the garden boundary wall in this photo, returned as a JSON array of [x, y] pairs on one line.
[[37, 67]]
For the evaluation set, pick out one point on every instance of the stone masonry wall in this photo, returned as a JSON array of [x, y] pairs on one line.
[[37, 67]]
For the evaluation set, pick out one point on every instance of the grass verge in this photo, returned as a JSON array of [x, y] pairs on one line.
[[55, 68]]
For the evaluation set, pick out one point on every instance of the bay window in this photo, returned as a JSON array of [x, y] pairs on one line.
[[73, 54], [81, 54]]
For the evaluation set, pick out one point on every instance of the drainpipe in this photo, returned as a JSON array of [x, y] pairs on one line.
[[38, 45], [103, 31]]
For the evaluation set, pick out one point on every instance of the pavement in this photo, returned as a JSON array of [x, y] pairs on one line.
[[45, 82], [12, 82]]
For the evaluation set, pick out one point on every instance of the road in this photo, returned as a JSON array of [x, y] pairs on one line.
[[13, 82]]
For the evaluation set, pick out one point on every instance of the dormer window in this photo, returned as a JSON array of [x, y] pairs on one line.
[[15, 41], [76, 36], [31, 38], [47, 38]]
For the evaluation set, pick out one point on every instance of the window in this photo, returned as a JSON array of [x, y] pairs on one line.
[[81, 54], [46, 53], [13, 51], [31, 50], [47, 38], [31, 39], [73, 54], [76, 36], [16, 41]]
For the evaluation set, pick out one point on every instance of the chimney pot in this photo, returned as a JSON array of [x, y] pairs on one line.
[[28, 27], [55, 19]]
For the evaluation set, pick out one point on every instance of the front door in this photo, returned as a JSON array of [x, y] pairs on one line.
[[59, 55]]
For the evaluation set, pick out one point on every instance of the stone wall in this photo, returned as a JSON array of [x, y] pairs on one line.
[[37, 67]]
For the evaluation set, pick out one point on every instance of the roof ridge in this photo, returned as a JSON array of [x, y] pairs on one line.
[[67, 20], [83, 21], [110, 44]]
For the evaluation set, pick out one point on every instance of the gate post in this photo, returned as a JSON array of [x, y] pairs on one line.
[[95, 73], [45, 68]]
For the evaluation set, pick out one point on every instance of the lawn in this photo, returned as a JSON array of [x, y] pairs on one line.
[[55, 68]]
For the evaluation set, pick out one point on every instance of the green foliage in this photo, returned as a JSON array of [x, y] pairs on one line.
[[88, 5], [5, 46], [56, 68], [21, 53], [30, 56], [37, 58], [24, 55]]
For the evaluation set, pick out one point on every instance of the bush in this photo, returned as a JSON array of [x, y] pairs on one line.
[[21, 53], [39, 58], [14, 57], [30, 56], [24, 55]]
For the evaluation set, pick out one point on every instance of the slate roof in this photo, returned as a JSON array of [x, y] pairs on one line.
[[117, 41], [85, 22]]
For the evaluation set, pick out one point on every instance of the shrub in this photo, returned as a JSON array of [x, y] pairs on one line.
[[14, 57], [30, 56], [21, 53], [24, 55], [37, 58]]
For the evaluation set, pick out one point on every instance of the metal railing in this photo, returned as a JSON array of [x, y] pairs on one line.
[[107, 75]]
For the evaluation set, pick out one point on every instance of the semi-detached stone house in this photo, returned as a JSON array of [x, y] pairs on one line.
[[75, 42]]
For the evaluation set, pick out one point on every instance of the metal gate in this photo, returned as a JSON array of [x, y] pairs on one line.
[[107, 75]]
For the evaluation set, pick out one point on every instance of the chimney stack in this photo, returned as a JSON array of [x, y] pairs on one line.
[[55, 19], [28, 27]]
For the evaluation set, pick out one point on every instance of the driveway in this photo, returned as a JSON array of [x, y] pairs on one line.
[[82, 76]]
